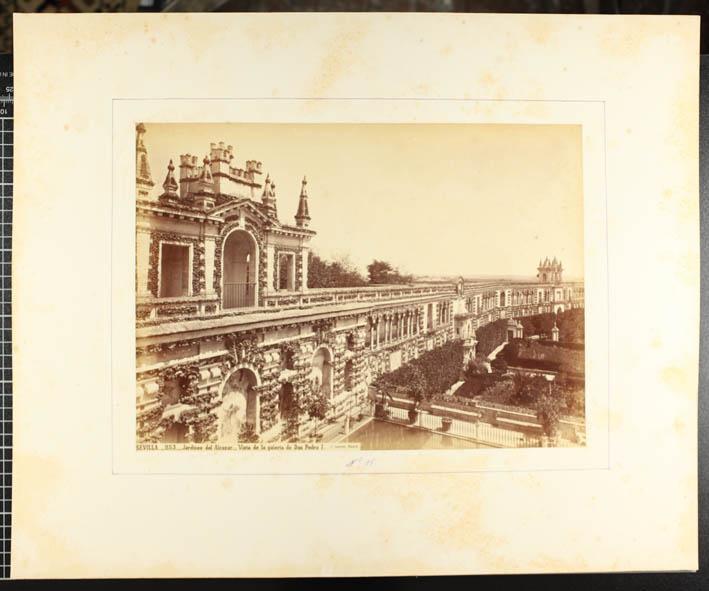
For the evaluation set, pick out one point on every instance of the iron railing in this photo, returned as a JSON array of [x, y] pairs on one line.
[[475, 431], [239, 295]]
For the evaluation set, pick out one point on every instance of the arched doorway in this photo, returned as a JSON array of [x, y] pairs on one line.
[[239, 270], [239, 405], [321, 372]]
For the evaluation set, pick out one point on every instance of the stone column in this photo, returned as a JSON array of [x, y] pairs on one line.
[[270, 268], [304, 267], [209, 252]]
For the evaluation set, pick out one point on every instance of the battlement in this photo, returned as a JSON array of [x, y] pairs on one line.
[[211, 180], [220, 152]]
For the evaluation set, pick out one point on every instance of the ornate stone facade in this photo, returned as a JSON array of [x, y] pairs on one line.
[[223, 353]]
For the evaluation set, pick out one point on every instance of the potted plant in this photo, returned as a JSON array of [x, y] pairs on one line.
[[446, 423]]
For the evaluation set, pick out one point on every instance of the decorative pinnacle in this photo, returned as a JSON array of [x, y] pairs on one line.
[[302, 217], [142, 167], [269, 196], [170, 184]]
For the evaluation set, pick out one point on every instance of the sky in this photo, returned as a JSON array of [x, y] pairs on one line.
[[432, 199]]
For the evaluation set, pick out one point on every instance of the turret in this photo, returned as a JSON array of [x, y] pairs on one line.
[[302, 217], [549, 271], [204, 195], [188, 163]]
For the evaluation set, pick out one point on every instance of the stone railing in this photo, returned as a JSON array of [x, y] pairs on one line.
[[347, 295], [166, 309], [152, 310], [522, 411]]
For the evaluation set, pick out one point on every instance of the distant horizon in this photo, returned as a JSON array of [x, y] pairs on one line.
[[485, 277], [430, 199]]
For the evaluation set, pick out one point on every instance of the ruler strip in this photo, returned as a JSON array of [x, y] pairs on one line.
[[6, 160]]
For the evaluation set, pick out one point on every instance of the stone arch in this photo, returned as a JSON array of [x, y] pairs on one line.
[[239, 403], [239, 269], [321, 370]]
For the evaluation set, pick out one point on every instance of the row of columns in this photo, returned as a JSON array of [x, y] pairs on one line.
[[445, 312], [479, 304], [396, 326]]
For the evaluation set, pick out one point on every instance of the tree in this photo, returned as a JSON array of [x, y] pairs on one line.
[[382, 273], [548, 414], [338, 273], [417, 387], [379, 272], [292, 423], [316, 403], [530, 390], [571, 326]]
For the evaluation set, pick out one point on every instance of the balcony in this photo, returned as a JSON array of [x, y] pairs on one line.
[[239, 295]]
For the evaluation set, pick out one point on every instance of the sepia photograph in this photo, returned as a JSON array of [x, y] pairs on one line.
[[377, 287], [421, 304]]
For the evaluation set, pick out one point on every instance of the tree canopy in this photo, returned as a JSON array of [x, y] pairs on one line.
[[342, 273], [338, 273], [381, 272]]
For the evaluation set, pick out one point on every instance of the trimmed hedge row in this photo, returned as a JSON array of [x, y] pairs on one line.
[[491, 336], [542, 355], [439, 369]]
